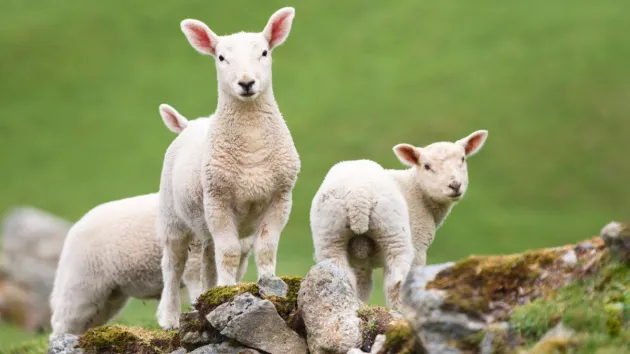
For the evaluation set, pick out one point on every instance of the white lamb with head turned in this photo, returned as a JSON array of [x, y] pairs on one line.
[[112, 253], [232, 186], [364, 216]]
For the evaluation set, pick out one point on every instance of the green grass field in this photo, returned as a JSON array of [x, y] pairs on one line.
[[80, 85]]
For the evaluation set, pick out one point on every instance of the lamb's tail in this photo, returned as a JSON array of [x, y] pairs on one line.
[[359, 209]]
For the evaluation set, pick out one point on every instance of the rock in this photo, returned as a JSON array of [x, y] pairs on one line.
[[423, 309], [225, 348], [15, 302], [557, 340], [272, 286], [255, 323], [31, 244], [329, 308], [570, 258], [195, 331], [495, 339], [616, 236], [180, 351], [63, 344], [379, 342], [356, 351]]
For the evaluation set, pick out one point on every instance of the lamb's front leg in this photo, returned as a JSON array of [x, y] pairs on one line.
[[227, 249], [274, 219]]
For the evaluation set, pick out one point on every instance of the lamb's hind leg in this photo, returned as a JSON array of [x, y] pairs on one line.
[[364, 281], [398, 258], [174, 240]]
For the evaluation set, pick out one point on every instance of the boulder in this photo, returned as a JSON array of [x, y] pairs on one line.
[[63, 344], [31, 244], [329, 308]]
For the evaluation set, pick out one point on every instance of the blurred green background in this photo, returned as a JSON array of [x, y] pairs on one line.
[[80, 85]]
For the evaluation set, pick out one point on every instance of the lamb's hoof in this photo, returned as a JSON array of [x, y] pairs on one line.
[[270, 285], [168, 321]]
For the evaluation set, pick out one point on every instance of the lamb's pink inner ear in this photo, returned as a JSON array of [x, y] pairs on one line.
[[280, 27], [200, 38], [171, 120], [407, 154], [474, 143]]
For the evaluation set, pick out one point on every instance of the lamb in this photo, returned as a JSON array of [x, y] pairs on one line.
[[232, 187], [364, 216], [112, 253]]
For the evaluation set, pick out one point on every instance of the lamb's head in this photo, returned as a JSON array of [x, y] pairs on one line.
[[440, 168], [243, 60]]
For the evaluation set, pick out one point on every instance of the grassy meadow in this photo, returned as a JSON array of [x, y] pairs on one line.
[[80, 85]]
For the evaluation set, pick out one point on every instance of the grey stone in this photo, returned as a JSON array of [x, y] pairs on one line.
[[225, 348], [272, 286], [355, 351], [423, 309], [180, 351], [329, 307], [63, 344], [494, 339], [255, 323], [30, 247], [616, 236], [195, 331]]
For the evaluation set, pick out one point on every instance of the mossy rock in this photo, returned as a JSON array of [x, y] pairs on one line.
[[128, 340], [400, 339], [375, 320], [285, 306], [482, 285]]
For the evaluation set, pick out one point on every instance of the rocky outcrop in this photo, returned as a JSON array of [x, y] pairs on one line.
[[31, 244], [558, 299]]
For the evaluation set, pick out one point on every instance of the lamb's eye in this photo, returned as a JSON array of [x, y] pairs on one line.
[[463, 159], [427, 167], [264, 53], [221, 58]]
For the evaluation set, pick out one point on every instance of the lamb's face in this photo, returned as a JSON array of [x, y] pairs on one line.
[[243, 60], [440, 168], [442, 172], [244, 65]]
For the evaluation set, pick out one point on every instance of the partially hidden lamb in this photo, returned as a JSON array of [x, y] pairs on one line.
[[364, 216], [113, 253]]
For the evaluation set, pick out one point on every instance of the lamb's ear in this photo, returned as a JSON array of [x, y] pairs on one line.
[[200, 36], [173, 120], [277, 29], [473, 143], [407, 154]]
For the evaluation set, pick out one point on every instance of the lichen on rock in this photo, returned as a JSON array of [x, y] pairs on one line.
[[285, 306], [128, 340]]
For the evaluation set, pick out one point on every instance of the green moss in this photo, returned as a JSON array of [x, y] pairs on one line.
[[285, 306], [120, 339], [375, 320], [535, 318], [475, 282], [399, 339], [595, 306]]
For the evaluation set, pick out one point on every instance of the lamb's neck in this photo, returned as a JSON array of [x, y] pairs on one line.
[[414, 196], [234, 110]]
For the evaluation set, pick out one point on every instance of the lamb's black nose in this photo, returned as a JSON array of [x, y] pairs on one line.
[[247, 85], [455, 186]]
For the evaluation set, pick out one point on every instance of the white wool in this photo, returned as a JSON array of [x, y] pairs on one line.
[[230, 186], [364, 216], [113, 253]]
